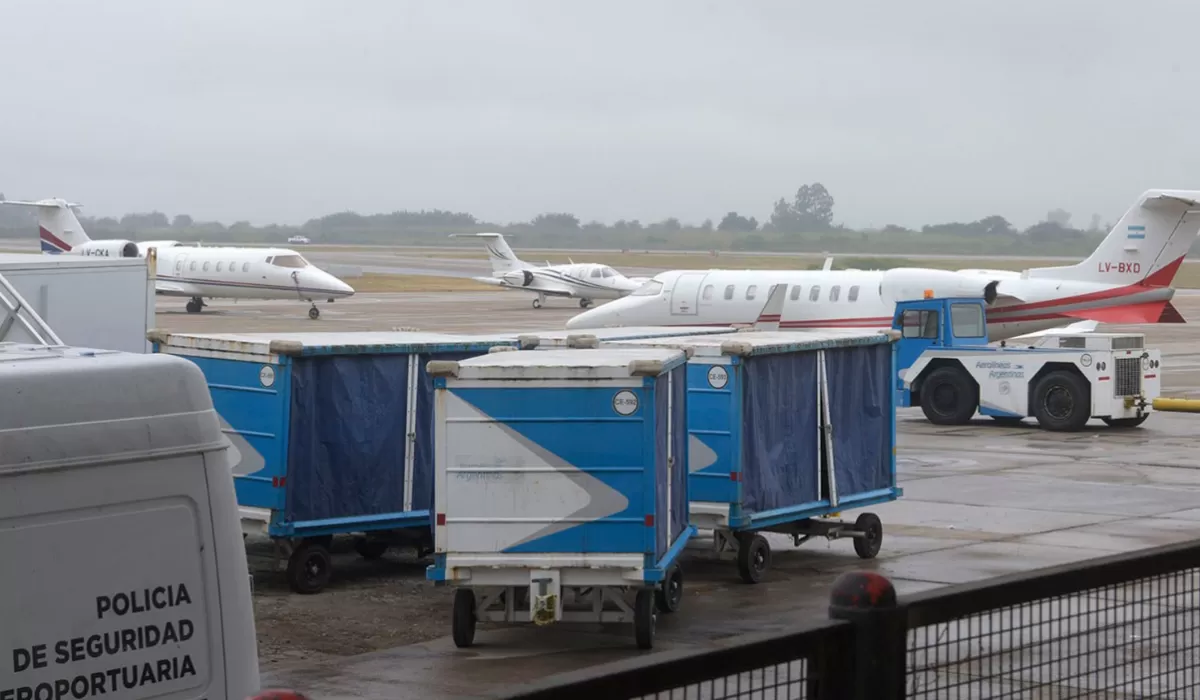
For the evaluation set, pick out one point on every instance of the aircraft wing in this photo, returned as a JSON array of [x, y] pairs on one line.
[[537, 286], [1039, 336]]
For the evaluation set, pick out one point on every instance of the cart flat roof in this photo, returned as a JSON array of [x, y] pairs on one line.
[[324, 343], [752, 342], [562, 363]]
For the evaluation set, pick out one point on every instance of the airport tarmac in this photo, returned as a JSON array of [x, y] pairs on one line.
[[980, 501]]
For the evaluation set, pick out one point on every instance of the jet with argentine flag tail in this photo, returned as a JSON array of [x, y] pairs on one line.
[[1126, 280]]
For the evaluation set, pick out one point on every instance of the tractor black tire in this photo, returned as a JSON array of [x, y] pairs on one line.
[[949, 396], [1062, 401], [309, 567]]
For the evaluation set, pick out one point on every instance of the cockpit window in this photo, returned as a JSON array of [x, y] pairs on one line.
[[596, 272], [288, 261], [608, 272], [649, 289]]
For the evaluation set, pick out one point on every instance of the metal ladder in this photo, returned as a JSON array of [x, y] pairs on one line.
[[15, 310]]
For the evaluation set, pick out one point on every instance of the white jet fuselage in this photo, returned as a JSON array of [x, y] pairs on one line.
[[864, 299], [243, 273]]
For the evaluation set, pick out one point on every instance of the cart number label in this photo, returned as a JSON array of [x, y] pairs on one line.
[[266, 375], [625, 403], [717, 377]]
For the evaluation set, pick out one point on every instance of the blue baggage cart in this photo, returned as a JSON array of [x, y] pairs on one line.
[[561, 486], [786, 430], [334, 433]]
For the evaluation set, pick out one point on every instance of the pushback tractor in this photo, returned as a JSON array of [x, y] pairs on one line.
[[946, 367]]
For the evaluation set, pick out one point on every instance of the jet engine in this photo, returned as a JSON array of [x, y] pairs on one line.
[[911, 283], [108, 249], [523, 278]]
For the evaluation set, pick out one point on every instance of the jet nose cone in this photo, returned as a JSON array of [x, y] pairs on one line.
[[587, 319]]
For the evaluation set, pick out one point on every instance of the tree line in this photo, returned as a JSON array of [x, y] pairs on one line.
[[803, 222]]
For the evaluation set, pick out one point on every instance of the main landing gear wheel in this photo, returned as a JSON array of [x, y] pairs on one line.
[[1126, 422], [1062, 401], [310, 567], [867, 547], [314, 313], [949, 396], [194, 305], [537, 303], [670, 595], [644, 617], [584, 303], [463, 624], [753, 557]]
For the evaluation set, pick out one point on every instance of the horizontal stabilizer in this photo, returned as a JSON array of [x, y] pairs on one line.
[[1146, 312], [1170, 314]]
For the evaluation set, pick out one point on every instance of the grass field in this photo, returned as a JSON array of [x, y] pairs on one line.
[[372, 283]]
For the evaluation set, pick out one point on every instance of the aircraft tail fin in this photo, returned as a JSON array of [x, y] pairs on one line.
[[772, 311], [1146, 247], [502, 257], [58, 228]]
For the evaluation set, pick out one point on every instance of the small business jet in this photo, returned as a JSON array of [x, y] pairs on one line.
[[1126, 280], [193, 272], [583, 281]]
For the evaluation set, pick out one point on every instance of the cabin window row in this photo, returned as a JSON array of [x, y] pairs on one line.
[[205, 267], [814, 292]]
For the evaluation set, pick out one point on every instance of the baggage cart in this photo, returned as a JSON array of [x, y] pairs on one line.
[[785, 431], [561, 487], [334, 433]]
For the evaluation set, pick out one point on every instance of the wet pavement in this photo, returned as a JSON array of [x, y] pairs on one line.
[[980, 501]]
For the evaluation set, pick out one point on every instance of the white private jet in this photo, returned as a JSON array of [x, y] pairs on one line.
[[194, 272], [1126, 280], [583, 281]]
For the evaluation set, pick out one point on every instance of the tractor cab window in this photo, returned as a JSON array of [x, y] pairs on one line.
[[919, 323], [288, 261], [967, 321]]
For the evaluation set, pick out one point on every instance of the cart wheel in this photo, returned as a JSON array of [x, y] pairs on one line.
[[670, 595], [867, 547], [1126, 422], [309, 568], [370, 549], [644, 618], [754, 557], [463, 624], [1062, 401]]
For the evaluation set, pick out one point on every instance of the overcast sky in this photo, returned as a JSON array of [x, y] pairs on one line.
[[908, 112]]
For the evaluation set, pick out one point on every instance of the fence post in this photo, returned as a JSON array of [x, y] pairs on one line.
[[868, 601]]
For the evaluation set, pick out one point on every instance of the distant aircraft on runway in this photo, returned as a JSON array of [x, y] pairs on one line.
[[583, 281], [1126, 280], [194, 272]]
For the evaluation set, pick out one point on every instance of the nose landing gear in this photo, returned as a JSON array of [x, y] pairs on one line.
[[314, 313], [537, 303]]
